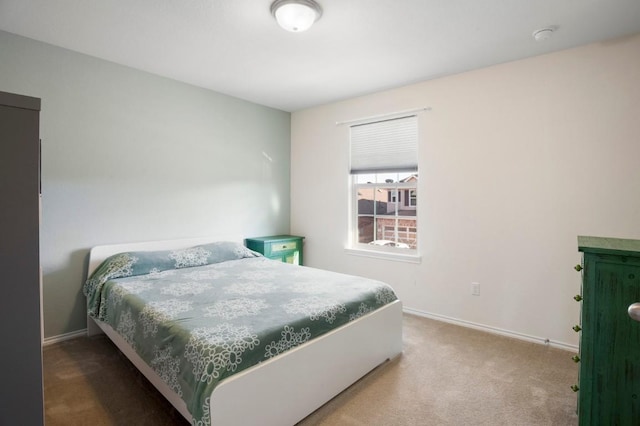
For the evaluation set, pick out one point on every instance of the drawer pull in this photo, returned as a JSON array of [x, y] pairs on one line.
[[575, 358], [575, 388], [577, 328], [634, 311], [578, 267], [577, 297]]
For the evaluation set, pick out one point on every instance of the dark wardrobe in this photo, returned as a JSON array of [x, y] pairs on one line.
[[21, 393]]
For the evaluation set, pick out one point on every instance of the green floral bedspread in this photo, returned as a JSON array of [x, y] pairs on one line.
[[199, 315]]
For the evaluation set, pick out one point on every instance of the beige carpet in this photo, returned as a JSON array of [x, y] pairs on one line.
[[447, 375]]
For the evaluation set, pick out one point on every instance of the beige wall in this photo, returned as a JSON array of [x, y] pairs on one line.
[[516, 160]]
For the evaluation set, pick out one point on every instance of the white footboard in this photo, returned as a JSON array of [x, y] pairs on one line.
[[288, 388]]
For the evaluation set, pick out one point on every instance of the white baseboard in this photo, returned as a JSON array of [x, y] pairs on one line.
[[494, 330], [62, 337]]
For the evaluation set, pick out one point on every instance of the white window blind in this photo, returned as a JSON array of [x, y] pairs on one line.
[[385, 146]]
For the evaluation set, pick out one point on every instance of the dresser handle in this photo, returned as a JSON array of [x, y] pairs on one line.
[[577, 297], [634, 311], [575, 388], [575, 358], [577, 328], [578, 268]]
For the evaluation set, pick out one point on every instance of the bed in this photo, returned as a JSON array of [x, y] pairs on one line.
[[296, 367]]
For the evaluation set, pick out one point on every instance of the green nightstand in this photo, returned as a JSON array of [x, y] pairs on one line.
[[285, 248]]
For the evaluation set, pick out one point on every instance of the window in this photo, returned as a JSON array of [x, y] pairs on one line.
[[384, 180], [413, 197]]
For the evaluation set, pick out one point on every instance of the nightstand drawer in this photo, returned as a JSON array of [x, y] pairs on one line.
[[280, 246]]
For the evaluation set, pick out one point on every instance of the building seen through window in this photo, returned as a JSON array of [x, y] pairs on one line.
[[386, 209]]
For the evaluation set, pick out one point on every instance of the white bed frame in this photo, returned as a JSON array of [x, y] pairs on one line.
[[289, 387]]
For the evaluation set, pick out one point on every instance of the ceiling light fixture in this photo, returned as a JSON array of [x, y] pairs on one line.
[[296, 15]]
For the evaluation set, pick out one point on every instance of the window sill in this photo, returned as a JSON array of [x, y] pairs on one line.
[[397, 257]]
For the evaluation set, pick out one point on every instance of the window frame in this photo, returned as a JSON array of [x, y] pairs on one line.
[[405, 167]]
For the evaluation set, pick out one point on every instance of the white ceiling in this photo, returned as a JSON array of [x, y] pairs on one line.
[[357, 47]]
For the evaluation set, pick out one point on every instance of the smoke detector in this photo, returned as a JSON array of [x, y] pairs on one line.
[[543, 33]]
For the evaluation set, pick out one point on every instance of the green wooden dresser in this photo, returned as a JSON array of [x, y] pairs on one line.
[[609, 380], [286, 248]]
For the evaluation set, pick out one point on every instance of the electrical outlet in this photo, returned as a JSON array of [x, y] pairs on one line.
[[475, 289]]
